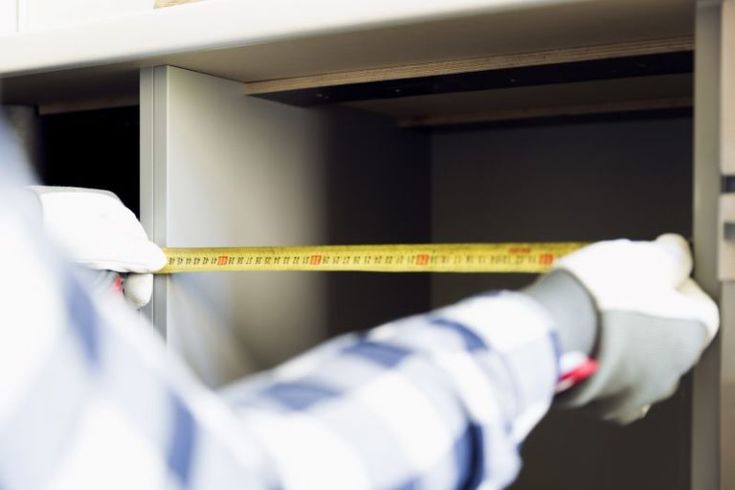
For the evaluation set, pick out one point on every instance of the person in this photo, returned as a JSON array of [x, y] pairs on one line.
[[90, 398]]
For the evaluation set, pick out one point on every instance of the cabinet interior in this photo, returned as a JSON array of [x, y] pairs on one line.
[[557, 158]]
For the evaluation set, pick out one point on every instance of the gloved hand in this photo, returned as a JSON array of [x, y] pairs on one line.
[[97, 231], [652, 321]]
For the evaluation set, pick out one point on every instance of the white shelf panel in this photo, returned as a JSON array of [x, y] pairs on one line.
[[249, 41]]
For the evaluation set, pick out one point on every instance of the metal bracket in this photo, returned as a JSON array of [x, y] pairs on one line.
[[726, 249]]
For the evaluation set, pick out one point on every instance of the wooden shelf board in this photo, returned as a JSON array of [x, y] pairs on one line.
[[471, 65]]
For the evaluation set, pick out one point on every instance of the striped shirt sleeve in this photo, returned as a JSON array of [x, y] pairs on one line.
[[90, 398], [441, 400]]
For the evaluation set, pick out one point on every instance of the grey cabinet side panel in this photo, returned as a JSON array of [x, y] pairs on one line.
[[153, 186], [727, 301], [238, 171], [708, 465]]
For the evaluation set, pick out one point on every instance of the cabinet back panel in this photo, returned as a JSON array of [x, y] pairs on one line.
[[587, 181]]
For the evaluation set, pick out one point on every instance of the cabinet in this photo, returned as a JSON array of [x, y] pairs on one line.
[[407, 122]]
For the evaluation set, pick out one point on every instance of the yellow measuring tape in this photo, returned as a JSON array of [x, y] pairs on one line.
[[451, 257]]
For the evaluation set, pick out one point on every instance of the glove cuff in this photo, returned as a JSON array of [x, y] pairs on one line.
[[571, 307]]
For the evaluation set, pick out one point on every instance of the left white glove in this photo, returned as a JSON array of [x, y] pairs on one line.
[[97, 231]]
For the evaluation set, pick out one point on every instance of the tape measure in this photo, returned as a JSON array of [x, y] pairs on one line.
[[450, 257]]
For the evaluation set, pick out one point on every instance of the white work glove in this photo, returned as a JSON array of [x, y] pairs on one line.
[[97, 231], [652, 321]]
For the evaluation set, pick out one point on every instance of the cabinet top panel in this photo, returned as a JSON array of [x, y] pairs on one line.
[[281, 39]]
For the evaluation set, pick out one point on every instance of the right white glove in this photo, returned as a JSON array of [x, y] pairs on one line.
[[652, 321], [97, 231]]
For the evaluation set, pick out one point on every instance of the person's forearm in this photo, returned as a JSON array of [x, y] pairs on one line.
[[444, 398]]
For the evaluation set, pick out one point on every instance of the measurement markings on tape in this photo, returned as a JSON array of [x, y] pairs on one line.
[[465, 257]]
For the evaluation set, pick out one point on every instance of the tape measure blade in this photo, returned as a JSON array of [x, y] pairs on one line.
[[439, 258]]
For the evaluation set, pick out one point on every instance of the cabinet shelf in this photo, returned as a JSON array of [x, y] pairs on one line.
[[281, 39]]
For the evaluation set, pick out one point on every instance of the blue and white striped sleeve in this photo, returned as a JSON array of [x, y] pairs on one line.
[[441, 400], [89, 398]]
